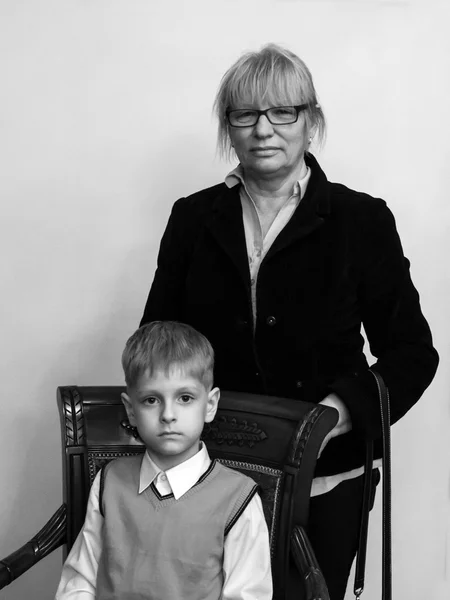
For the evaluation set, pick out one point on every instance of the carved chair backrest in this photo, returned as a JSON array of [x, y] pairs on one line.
[[273, 440]]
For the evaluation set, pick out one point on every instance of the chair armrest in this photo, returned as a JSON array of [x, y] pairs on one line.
[[306, 563], [50, 537]]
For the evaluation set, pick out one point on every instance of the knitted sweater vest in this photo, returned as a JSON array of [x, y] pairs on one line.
[[159, 548]]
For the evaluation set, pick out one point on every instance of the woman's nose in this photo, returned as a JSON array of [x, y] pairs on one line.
[[263, 127]]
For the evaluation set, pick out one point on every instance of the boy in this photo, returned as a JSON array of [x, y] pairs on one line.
[[171, 524]]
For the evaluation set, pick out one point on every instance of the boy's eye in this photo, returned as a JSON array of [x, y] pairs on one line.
[[185, 399], [151, 400]]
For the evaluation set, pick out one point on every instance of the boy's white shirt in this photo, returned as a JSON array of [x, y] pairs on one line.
[[246, 565]]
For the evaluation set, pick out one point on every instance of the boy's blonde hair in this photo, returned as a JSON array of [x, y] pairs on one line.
[[164, 345]]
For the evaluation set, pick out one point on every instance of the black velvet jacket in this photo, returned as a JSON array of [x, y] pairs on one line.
[[338, 264]]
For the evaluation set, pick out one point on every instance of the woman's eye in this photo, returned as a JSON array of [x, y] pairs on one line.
[[244, 115], [283, 111]]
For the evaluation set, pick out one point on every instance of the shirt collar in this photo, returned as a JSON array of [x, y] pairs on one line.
[[181, 478], [236, 176]]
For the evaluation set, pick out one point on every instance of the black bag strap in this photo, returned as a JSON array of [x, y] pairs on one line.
[[383, 394]]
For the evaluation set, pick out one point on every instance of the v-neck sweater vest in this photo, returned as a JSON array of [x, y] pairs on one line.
[[159, 548]]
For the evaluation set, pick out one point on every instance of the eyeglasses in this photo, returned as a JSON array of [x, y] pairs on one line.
[[278, 115]]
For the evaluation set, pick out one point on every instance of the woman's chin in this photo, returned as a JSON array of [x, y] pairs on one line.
[[265, 165]]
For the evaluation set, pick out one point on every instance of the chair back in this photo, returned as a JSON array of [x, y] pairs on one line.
[[273, 440]]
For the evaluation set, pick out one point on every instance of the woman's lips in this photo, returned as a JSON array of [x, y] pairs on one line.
[[267, 151]]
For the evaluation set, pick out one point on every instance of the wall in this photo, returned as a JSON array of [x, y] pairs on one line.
[[105, 118]]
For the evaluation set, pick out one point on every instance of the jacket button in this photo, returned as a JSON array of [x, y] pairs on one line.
[[271, 321]]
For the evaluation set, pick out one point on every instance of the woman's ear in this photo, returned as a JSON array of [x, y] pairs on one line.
[[212, 404], [311, 133], [129, 408]]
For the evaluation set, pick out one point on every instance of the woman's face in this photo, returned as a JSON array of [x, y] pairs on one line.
[[267, 150]]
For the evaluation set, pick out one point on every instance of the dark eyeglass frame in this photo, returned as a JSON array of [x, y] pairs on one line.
[[298, 108]]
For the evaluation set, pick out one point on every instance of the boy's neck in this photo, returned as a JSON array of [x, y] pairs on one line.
[[165, 463]]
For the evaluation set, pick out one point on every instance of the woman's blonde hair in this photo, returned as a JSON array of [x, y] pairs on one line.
[[274, 74]]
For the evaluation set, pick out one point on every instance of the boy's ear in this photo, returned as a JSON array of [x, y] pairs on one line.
[[212, 404], [129, 408]]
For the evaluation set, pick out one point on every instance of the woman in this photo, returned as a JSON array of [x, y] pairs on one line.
[[279, 268]]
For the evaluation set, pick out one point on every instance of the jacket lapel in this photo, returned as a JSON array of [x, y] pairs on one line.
[[227, 228], [310, 213]]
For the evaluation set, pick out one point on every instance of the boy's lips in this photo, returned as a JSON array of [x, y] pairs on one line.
[[169, 433]]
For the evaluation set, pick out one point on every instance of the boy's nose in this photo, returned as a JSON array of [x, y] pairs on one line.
[[168, 413]]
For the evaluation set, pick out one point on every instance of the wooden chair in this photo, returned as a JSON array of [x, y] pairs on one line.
[[273, 440]]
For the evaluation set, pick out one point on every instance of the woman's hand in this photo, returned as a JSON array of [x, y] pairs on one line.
[[344, 423]]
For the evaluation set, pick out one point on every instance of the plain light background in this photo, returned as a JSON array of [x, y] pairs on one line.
[[105, 120]]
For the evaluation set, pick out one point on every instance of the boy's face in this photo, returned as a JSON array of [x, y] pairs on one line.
[[169, 411]]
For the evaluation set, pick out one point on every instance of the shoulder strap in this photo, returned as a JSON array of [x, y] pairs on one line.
[[383, 394]]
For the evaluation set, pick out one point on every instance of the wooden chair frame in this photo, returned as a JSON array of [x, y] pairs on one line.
[[274, 440]]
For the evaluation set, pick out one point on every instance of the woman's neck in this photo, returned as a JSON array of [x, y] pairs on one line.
[[271, 192]]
